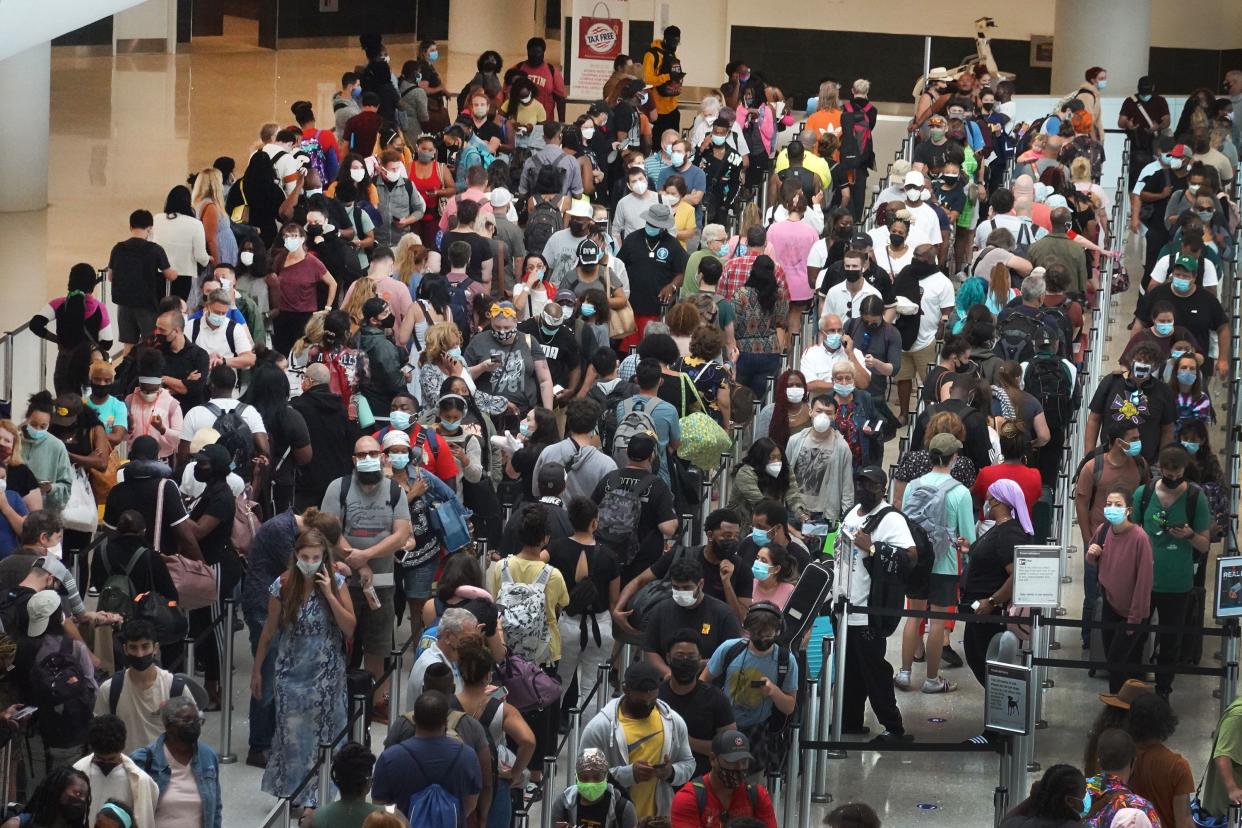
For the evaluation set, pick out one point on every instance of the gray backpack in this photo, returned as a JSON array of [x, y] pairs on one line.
[[523, 613], [927, 506], [634, 420]]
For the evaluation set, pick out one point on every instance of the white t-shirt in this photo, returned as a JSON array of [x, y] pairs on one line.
[[924, 226], [286, 165], [1010, 222], [192, 488], [202, 417], [890, 263], [139, 708], [937, 295], [818, 256], [216, 340], [892, 530], [848, 305], [1160, 272], [817, 362]]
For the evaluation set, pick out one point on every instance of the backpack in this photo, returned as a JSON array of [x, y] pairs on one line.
[[1016, 338], [544, 221], [523, 613], [58, 678], [318, 158], [804, 177], [892, 572], [927, 506], [459, 305], [777, 720], [118, 684], [609, 402], [434, 807], [1097, 472], [394, 495], [1045, 379], [1022, 244], [633, 420], [197, 324], [618, 517], [1056, 319], [856, 141], [235, 436], [700, 797], [118, 590]]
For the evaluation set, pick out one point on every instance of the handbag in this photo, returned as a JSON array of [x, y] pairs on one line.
[[621, 321], [81, 513], [241, 213], [103, 481], [449, 522], [703, 441], [1198, 816], [195, 580], [170, 623], [530, 688]]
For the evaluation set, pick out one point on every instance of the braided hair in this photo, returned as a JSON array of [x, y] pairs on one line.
[[1051, 796], [44, 803]]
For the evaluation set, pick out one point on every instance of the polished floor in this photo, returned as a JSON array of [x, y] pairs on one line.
[[126, 129]]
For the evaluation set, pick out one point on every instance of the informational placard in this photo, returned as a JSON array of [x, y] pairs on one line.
[[1037, 576], [1229, 587], [1005, 706], [598, 37]]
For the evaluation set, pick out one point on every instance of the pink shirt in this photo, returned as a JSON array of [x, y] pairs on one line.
[[140, 412], [1126, 572], [791, 243], [779, 595], [471, 194]]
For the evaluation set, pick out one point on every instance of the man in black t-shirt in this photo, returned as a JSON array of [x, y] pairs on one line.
[[704, 706], [551, 483], [1135, 397], [657, 516], [1194, 309], [140, 275], [655, 262], [186, 365], [690, 608], [480, 265], [559, 344]]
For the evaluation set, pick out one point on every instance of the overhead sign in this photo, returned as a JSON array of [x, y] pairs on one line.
[[598, 37], [1037, 576], [1005, 706]]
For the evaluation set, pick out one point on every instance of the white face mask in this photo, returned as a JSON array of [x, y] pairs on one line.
[[357, 174], [588, 133], [246, 257], [638, 187], [795, 395], [774, 469], [821, 423], [684, 597], [392, 175]]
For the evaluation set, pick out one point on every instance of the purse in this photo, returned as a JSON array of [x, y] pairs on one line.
[[195, 581], [703, 441], [81, 513], [241, 213], [103, 481], [621, 321]]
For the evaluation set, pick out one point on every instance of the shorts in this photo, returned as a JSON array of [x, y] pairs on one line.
[[918, 585], [373, 632], [914, 364], [416, 581], [134, 324], [942, 591]]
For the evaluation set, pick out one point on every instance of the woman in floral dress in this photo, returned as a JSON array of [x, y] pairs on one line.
[[308, 614]]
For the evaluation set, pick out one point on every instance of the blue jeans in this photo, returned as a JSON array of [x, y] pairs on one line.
[[501, 812], [753, 370], [262, 710], [1090, 592]]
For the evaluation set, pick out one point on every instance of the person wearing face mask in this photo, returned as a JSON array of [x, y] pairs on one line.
[[723, 796], [558, 343], [113, 776], [593, 800], [823, 465], [765, 474], [1144, 115], [507, 364], [1193, 401], [856, 416], [44, 454], [1164, 333], [844, 299], [704, 706], [1135, 396], [774, 576], [1194, 308], [1153, 187], [185, 769], [1060, 799], [61, 798], [722, 167], [400, 203], [140, 272], [680, 162], [136, 692], [628, 216], [691, 607], [309, 613], [346, 103], [644, 742], [924, 222], [1189, 246], [385, 359]]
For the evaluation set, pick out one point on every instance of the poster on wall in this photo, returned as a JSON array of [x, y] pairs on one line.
[[598, 35]]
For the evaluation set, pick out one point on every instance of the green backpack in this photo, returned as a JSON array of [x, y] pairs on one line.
[[703, 441]]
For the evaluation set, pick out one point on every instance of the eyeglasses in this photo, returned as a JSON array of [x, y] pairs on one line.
[[497, 310], [359, 455]]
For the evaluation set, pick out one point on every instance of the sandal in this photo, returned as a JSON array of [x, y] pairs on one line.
[[938, 685]]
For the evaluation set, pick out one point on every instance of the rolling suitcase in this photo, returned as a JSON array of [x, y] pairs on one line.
[[810, 594]]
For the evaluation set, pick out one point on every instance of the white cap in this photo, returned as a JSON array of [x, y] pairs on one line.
[[499, 197], [395, 437], [914, 178], [1056, 200], [580, 209], [39, 610]]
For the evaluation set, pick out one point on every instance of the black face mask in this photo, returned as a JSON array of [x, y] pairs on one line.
[[100, 390], [1171, 482], [853, 275], [866, 497], [202, 471], [844, 232], [388, 321], [313, 230], [141, 662], [637, 710], [725, 548], [73, 811], [896, 239], [762, 644], [189, 733], [578, 229], [684, 668]]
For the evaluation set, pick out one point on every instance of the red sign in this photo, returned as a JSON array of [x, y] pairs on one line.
[[599, 38]]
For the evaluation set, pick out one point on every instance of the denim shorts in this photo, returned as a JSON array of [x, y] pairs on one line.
[[417, 580]]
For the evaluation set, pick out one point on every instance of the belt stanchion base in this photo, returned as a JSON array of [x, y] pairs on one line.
[[227, 756]]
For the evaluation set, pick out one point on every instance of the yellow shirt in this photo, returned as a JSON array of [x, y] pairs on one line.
[[814, 163], [531, 113], [555, 595], [651, 750], [683, 219]]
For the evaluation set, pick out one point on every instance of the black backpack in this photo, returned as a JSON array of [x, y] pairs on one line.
[[892, 571], [459, 305], [620, 392], [1046, 380], [1015, 340], [544, 221], [118, 684], [235, 436], [196, 325], [778, 721], [118, 590]]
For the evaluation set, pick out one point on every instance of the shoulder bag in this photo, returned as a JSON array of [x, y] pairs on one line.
[[621, 321], [195, 580]]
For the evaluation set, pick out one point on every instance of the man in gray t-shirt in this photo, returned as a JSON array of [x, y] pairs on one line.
[[375, 523]]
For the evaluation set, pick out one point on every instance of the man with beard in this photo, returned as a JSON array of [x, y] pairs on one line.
[[185, 364]]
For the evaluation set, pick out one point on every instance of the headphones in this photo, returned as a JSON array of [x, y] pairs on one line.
[[772, 609]]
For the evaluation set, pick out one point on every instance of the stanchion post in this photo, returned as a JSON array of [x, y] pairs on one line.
[[792, 802], [189, 655], [838, 684], [575, 731], [827, 683], [360, 727], [627, 657], [394, 693], [325, 773], [726, 474], [1039, 646], [227, 757], [549, 791], [1000, 798], [1023, 761], [1229, 678], [810, 758], [601, 688], [776, 791]]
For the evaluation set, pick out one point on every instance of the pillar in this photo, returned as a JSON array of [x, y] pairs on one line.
[[25, 87], [478, 25], [1096, 33], [150, 26]]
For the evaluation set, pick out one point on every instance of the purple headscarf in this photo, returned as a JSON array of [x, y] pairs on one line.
[[1010, 493]]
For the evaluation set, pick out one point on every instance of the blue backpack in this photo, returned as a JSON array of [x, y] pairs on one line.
[[434, 807]]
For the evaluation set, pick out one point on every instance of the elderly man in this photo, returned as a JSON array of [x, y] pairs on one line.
[[1057, 246], [196, 801], [225, 340], [834, 344], [375, 521], [455, 624], [711, 244]]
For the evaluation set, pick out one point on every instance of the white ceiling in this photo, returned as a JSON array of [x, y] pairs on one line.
[[27, 23]]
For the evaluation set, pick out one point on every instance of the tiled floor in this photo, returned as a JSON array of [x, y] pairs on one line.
[[125, 130]]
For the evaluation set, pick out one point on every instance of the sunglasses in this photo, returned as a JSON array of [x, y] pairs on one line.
[[358, 455]]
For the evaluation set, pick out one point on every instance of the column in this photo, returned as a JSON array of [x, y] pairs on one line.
[[25, 86], [147, 27], [503, 25], [1095, 33]]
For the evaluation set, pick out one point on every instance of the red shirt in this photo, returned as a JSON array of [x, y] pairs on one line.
[[549, 85], [436, 458], [361, 132], [1025, 476], [737, 271], [685, 810]]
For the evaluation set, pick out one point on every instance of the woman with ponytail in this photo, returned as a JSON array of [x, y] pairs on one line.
[[83, 329]]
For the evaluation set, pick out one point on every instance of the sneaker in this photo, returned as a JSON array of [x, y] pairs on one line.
[[257, 759], [532, 793], [862, 730], [938, 685], [949, 658], [92, 593], [902, 680], [889, 737]]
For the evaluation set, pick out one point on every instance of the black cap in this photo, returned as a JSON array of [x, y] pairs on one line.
[[551, 478], [1146, 86], [588, 253], [641, 447], [875, 474], [731, 746], [642, 676], [373, 307], [600, 107], [861, 239], [632, 87]]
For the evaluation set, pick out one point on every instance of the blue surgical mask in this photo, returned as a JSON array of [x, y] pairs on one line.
[[652, 231], [455, 353], [677, 158], [292, 243], [1187, 377], [524, 428], [356, 92], [309, 568], [642, 99], [587, 309], [1144, 98], [399, 461], [433, 56], [718, 140], [843, 389], [1163, 328], [1115, 514], [1134, 449], [760, 570], [832, 341], [36, 434], [1193, 448], [217, 320], [400, 420], [450, 425], [1086, 797], [1177, 354], [1181, 285], [367, 464], [761, 537]]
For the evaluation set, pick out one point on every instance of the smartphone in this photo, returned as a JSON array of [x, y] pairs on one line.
[[500, 693], [758, 683], [25, 713]]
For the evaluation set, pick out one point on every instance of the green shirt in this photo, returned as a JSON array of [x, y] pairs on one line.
[[343, 814], [1174, 569], [1228, 743], [959, 518]]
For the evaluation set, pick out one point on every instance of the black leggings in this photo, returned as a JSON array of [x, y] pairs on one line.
[[229, 571]]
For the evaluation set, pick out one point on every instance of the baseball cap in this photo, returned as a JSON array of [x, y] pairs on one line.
[[641, 447], [202, 438], [52, 567], [373, 307], [588, 254], [914, 178], [565, 296], [875, 474], [40, 609], [945, 444], [499, 197], [1146, 86], [642, 676], [731, 746], [551, 477], [1186, 262], [66, 409], [1180, 151], [861, 239]]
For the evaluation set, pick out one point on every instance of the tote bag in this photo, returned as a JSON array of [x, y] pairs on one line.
[[621, 321], [195, 580], [81, 513]]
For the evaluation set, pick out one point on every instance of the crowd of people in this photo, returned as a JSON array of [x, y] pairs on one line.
[[468, 361]]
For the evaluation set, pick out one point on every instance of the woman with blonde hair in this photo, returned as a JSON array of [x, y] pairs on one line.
[[312, 336], [441, 358], [362, 290], [17, 477], [312, 614], [208, 200], [412, 260], [827, 115]]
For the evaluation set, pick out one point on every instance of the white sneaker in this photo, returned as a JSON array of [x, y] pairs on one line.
[[902, 680], [938, 685]]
